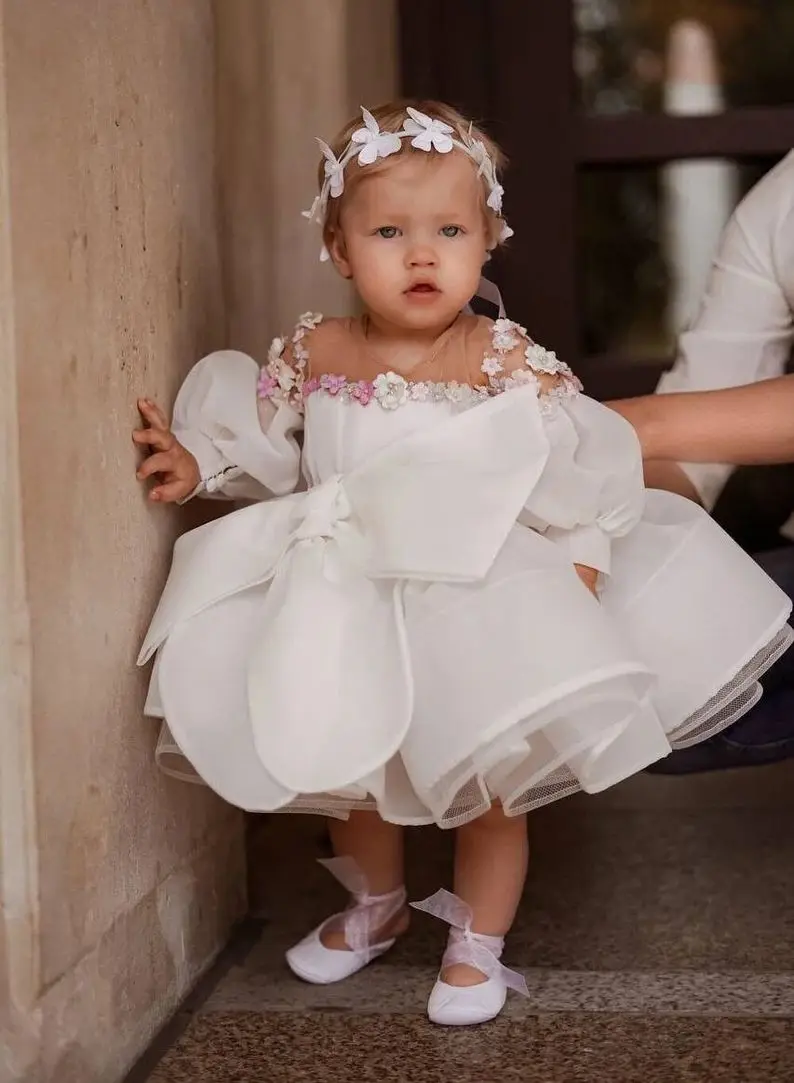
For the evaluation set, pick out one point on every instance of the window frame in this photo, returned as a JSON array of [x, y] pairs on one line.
[[491, 57]]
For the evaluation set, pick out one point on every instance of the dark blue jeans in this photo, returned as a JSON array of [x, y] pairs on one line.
[[766, 733]]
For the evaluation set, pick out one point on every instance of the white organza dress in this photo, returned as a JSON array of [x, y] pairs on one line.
[[408, 633]]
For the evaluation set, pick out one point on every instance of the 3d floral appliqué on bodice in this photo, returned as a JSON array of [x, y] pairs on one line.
[[480, 358]]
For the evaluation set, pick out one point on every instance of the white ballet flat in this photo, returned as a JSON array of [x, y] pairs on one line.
[[313, 962], [468, 1005]]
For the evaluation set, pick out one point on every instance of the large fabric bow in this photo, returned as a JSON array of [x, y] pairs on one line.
[[329, 686]]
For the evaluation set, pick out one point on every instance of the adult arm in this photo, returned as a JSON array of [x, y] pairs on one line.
[[743, 334], [743, 426]]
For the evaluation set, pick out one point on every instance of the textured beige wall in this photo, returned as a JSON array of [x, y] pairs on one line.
[[19, 962], [116, 283], [288, 72], [116, 885]]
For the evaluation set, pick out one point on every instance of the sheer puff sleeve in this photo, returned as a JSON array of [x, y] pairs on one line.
[[591, 490], [244, 442]]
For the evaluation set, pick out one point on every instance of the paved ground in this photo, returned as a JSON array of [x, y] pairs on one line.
[[657, 936]]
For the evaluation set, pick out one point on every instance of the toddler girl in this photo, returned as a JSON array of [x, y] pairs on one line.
[[455, 601]]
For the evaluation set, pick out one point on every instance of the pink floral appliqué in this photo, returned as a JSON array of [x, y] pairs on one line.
[[362, 391], [266, 385], [332, 384]]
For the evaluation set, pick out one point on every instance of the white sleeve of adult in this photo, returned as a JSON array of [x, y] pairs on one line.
[[744, 330]]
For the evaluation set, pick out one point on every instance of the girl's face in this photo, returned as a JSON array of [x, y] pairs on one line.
[[413, 239]]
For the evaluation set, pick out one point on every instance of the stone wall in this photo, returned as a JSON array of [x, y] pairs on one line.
[[154, 160], [115, 288], [288, 72]]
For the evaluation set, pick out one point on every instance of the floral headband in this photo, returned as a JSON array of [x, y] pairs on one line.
[[426, 133]]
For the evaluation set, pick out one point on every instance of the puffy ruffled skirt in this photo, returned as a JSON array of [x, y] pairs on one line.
[[520, 688]]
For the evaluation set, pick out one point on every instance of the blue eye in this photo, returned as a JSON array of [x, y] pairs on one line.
[[387, 232], [451, 231]]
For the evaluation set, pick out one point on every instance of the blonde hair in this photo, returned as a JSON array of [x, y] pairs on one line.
[[390, 118]]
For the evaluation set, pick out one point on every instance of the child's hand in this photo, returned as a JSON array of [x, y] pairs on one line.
[[178, 468], [589, 577]]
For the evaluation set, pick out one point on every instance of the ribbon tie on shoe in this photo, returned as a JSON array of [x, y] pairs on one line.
[[366, 913], [467, 947]]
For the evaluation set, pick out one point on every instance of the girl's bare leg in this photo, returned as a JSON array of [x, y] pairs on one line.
[[377, 848], [491, 858]]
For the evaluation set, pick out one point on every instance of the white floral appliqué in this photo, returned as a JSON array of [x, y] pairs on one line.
[[287, 377], [391, 390], [505, 337], [458, 393], [543, 360], [492, 366], [278, 379], [277, 347]]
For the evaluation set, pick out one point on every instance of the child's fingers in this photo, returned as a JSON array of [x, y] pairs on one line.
[[171, 492], [153, 414], [161, 463], [162, 439]]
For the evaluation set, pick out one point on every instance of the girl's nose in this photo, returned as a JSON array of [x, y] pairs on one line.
[[422, 256]]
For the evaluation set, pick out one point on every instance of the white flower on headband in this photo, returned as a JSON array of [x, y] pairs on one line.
[[495, 198], [429, 134], [479, 153], [376, 144], [426, 133], [334, 170], [313, 213]]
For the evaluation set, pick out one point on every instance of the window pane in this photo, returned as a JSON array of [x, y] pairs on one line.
[[646, 240], [683, 56]]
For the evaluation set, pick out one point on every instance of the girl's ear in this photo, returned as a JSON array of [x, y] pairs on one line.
[[335, 243]]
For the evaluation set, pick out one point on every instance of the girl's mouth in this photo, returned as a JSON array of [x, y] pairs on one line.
[[423, 289]]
